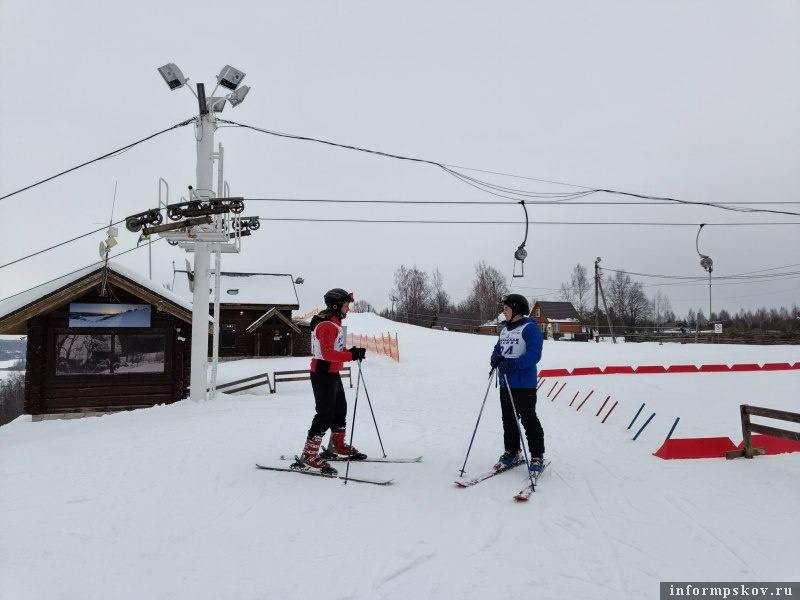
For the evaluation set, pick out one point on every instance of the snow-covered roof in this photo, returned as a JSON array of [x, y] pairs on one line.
[[17, 301], [246, 288], [500, 318]]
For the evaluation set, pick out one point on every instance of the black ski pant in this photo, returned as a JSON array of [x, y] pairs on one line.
[[330, 401], [525, 402]]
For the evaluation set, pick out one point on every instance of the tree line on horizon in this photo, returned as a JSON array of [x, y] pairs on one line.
[[420, 298]]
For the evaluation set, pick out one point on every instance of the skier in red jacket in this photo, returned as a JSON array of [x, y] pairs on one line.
[[328, 339]]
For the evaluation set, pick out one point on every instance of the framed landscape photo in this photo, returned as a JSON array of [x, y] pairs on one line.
[[109, 315]]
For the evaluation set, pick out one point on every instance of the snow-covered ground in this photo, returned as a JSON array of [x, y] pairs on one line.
[[166, 502]]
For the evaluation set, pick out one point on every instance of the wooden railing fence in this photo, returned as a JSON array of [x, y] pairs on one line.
[[749, 428]]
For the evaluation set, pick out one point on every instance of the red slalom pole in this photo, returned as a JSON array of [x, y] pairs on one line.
[[558, 392], [584, 400], [610, 411], [602, 407]]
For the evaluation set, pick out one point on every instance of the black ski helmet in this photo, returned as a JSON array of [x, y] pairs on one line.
[[518, 304], [336, 297]]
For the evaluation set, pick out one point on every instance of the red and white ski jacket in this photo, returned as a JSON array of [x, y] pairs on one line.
[[328, 340]]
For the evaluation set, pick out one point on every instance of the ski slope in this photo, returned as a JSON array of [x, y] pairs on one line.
[[167, 503]]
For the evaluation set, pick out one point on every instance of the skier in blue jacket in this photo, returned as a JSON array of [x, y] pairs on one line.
[[515, 355]]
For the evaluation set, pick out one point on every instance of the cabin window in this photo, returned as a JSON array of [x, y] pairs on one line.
[[538, 312], [109, 354], [228, 336], [233, 292]]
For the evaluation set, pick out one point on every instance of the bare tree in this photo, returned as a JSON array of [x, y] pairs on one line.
[[362, 306], [414, 295], [488, 287], [581, 289], [618, 291], [441, 299], [661, 308], [628, 301]]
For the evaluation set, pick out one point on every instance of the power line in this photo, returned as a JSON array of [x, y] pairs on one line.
[[104, 156], [64, 243], [496, 202], [753, 275], [536, 223], [503, 191]]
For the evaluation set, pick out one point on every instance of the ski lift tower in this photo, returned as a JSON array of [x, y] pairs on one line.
[[207, 222]]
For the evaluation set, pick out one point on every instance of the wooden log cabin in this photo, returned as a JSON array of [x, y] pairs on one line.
[[255, 314], [101, 339]]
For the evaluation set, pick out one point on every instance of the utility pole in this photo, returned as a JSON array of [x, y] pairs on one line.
[[605, 304], [596, 292]]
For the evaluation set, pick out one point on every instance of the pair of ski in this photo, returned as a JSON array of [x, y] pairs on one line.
[[316, 473], [521, 496]]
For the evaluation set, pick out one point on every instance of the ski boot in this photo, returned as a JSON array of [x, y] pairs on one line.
[[508, 459], [536, 466], [338, 449], [310, 460]]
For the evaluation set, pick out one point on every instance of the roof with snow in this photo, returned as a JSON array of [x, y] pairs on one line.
[[274, 289], [557, 310], [500, 318], [16, 309]]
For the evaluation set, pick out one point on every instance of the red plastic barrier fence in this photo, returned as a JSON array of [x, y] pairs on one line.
[[658, 369], [651, 369], [682, 369], [712, 447], [621, 370], [587, 371], [772, 444], [776, 366], [714, 368]]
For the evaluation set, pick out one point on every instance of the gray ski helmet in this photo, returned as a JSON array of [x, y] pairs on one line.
[[336, 297], [518, 304]]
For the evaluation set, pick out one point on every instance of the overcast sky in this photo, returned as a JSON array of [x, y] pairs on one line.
[[696, 100]]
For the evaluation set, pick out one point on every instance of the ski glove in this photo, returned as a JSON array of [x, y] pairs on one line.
[[496, 360], [358, 353]]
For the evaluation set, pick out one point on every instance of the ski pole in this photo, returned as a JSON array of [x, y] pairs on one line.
[[353, 426], [519, 429], [369, 403], [485, 396]]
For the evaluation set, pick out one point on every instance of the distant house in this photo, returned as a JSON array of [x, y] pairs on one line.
[[558, 320], [102, 338], [255, 314], [492, 327]]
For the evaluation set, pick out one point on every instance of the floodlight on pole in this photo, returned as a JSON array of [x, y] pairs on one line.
[[216, 103], [172, 75], [230, 77], [237, 97]]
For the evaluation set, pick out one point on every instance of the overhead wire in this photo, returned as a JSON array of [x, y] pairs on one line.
[[463, 222], [58, 245], [489, 202], [505, 191], [99, 158], [99, 263]]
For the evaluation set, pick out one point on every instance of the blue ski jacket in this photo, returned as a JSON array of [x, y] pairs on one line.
[[520, 344]]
